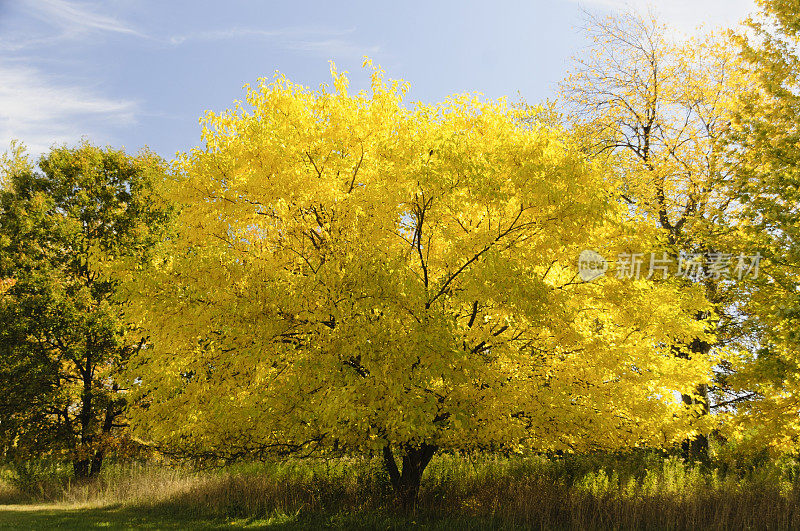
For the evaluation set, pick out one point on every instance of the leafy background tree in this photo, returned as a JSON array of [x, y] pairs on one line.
[[70, 232], [764, 150], [656, 109]]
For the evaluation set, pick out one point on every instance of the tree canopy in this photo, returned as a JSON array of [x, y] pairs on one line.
[[352, 274], [70, 232]]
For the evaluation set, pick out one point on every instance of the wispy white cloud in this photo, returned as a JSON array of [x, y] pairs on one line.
[[75, 20], [42, 111], [64, 21], [686, 16], [323, 41], [244, 33], [332, 47], [74, 17]]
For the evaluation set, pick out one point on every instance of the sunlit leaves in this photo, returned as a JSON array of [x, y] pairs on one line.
[[353, 271]]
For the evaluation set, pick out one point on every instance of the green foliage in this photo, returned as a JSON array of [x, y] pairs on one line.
[[70, 232], [764, 149], [38, 479]]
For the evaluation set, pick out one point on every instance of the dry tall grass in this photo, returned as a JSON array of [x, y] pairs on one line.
[[576, 492]]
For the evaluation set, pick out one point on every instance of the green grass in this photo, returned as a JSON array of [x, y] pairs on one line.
[[66, 517], [63, 517], [642, 491]]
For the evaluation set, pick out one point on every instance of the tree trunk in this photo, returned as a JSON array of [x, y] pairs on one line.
[[406, 482], [696, 449], [81, 466], [99, 455]]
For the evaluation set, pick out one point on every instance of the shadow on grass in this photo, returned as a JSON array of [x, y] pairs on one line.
[[125, 517], [117, 517]]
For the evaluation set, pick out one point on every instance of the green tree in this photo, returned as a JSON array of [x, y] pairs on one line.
[[764, 150], [70, 232]]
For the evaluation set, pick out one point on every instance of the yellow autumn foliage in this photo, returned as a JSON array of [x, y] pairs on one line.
[[354, 271]]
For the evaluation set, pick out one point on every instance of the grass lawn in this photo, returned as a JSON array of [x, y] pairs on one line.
[[48, 516], [52, 516]]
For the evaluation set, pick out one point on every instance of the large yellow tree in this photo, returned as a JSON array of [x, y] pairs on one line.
[[354, 275]]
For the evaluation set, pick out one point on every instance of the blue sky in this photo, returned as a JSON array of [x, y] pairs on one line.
[[134, 72]]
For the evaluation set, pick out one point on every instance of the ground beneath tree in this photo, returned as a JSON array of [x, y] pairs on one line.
[[49, 516]]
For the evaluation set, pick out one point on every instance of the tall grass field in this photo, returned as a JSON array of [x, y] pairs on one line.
[[575, 492]]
